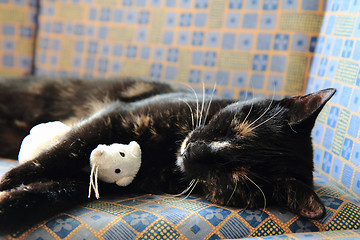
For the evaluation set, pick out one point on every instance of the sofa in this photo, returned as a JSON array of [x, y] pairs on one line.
[[249, 48]]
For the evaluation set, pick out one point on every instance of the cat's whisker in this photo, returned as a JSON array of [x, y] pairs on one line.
[[209, 104], [197, 105], [191, 113], [266, 110], [232, 194], [187, 189], [273, 92], [263, 194], [192, 189], [266, 120], [291, 127], [249, 200], [248, 114], [203, 103], [248, 92], [252, 104], [197, 101], [272, 99]]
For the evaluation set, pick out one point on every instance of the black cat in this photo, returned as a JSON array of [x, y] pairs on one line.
[[250, 154]]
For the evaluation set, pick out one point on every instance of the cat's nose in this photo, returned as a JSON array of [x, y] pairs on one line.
[[187, 154], [194, 149]]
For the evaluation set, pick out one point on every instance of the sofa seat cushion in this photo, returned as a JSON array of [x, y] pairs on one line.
[[330, 235], [166, 216]]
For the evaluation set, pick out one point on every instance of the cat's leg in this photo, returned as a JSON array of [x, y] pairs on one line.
[[68, 156], [299, 198], [29, 204]]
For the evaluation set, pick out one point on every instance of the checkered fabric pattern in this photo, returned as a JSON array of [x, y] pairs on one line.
[[17, 36], [340, 235], [336, 64], [249, 48], [168, 217], [252, 47]]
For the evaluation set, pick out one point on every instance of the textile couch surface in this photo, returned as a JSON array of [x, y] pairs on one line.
[[250, 48]]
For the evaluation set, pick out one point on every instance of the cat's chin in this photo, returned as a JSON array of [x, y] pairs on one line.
[[180, 163]]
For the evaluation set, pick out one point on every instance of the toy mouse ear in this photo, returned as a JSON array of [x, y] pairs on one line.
[[97, 152], [135, 148]]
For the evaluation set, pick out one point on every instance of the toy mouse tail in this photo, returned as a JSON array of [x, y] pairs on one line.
[[94, 181]]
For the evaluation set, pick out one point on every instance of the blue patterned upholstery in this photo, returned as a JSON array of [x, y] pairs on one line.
[[336, 64], [340, 235], [262, 46], [168, 217], [249, 48], [17, 36]]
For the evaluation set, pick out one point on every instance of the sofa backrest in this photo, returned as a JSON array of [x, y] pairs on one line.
[[260, 48], [336, 64], [17, 37]]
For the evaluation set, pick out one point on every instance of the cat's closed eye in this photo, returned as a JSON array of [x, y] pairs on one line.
[[122, 154]]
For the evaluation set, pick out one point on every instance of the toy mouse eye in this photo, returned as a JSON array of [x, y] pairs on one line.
[[117, 170], [122, 154]]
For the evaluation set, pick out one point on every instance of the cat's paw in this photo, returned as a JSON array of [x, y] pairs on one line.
[[22, 174], [41, 137], [8, 181], [3, 195]]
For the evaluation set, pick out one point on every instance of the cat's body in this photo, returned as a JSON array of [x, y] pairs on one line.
[[244, 154]]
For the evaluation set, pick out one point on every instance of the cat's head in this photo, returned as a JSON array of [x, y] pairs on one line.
[[258, 153]]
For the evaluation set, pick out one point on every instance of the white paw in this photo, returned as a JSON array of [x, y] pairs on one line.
[[41, 137]]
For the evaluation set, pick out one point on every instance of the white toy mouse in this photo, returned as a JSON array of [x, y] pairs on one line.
[[115, 163], [41, 137]]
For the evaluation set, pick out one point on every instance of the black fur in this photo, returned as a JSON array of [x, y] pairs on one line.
[[242, 154]]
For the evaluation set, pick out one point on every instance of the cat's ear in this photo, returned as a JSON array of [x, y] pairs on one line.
[[302, 200], [305, 109]]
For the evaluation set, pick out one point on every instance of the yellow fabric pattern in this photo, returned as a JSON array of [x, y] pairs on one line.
[[249, 48], [17, 37], [169, 217], [336, 64]]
